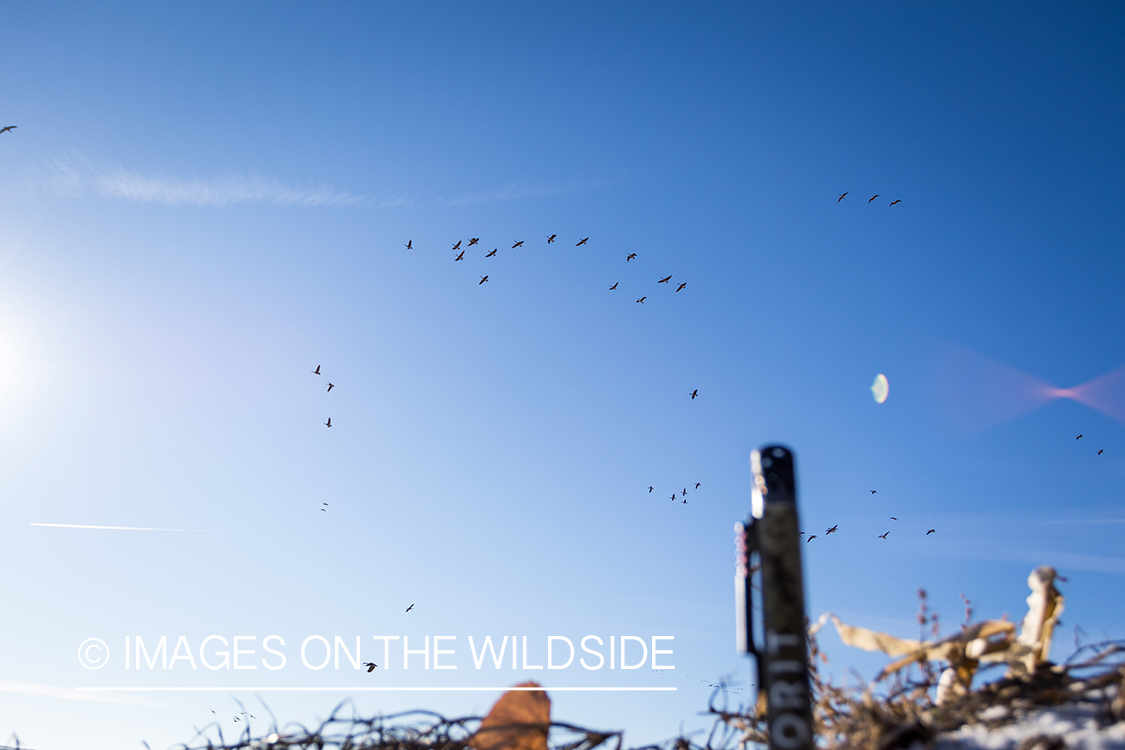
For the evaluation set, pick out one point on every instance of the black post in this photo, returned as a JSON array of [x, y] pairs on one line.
[[772, 534]]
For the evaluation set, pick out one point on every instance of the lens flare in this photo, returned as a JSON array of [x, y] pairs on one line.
[[981, 393]]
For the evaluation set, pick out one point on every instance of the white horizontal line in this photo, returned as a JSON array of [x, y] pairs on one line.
[[370, 689], [113, 528]]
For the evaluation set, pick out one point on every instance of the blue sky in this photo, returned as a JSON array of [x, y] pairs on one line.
[[201, 204]]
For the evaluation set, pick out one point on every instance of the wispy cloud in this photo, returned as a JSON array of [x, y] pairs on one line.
[[76, 175], [116, 528], [514, 191], [71, 694]]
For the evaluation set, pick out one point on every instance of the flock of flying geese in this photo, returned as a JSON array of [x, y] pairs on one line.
[[845, 195], [833, 529], [893, 518], [550, 239]]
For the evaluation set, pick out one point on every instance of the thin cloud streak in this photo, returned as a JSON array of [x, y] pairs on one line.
[[117, 528], [72, 694], [77, 175], [513, 191]]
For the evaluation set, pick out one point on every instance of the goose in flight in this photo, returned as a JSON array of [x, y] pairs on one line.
[[630, 256], [328, 423], [458, 245], [492, 253], [831, 530], [930, 531], [316, 371], [551, 238], [895, 202], [370, 666], [482, 280], [873, 197], [330, 387], [614, 285], [694, 394], [582, 241], [641, 300], [665, 280], [459, 255], [842, 196], [884, 536], [6, 128], [410, 244], [473, 241], [518, 244], [410, 608], [681, 286]]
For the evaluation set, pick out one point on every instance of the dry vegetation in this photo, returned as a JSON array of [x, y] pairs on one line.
[[925, 691]]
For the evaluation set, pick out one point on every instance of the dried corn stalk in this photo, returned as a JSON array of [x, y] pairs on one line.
[[988, 641]]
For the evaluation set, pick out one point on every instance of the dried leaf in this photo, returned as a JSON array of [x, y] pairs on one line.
[[519, 720]]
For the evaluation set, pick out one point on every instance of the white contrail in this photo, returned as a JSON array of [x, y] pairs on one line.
[[75, 175], [57, 691], [116, 528]]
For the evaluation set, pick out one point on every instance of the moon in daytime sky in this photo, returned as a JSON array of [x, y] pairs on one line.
[[880, 388]]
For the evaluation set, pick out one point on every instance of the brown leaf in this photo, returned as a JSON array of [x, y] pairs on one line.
[[518, 721]]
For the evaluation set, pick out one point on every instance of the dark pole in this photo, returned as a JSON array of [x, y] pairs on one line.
[[782, 659]]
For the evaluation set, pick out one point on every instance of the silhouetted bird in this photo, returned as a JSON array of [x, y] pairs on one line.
[[482, 280], [873, 197], [681, 286], [673, 497], [842, 196], [642, 299], [410, 244], [517, 244], [884, 536], [685, 503], [492, 253], [630, 256], [930, 531], [370, 666], [893, 518], [697, 485], [895, 201], [694, 394], [614, 285], [329, 422], [665, 280], [1078, 438], [684, 493], [458, 245], [460, 255], [872, 492], [6, 128], [316, 371], [582, 241], [473, 241], [410, 608], [1101, 451], [810, 538], [650, 489], [330, 387], [551, 238], [832, 530]]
